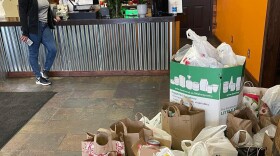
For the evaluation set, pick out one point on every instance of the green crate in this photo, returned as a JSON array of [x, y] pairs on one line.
[[131, 13]]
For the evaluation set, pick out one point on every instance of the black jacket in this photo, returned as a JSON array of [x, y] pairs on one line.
[[28, 13]]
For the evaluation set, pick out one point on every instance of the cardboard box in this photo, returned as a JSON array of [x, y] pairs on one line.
[[214, 90]]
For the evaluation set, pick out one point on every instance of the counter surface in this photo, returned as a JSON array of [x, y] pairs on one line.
[[15, 21]]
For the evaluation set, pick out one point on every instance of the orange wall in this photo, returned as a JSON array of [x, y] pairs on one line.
[[245, 22]]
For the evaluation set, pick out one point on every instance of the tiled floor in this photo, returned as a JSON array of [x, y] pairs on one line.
[[82, 104]]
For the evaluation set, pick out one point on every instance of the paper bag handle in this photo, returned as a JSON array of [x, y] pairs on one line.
[[124, 127], [188, 100], [89, 135], [104, 133], [176, 109], [103, 130], [103, 148]]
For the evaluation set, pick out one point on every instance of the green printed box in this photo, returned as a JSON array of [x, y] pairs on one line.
[[215, 90]]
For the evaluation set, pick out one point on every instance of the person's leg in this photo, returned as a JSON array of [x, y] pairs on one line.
[[33, 54], [49, 42], [33, 57]]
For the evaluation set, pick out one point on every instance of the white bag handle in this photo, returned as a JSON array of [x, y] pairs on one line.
[[259, 149], [199, 149], [186, 146], [145, 119], [249, 83], [193, 36], [248, 141]]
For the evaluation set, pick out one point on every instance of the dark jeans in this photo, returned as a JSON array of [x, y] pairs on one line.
[[45, 37]]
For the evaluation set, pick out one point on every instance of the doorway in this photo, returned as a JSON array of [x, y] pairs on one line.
[[197, 15]]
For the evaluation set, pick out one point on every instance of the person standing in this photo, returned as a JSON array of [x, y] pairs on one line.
[[36, 20]]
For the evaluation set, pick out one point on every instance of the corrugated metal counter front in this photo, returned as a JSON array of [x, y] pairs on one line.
[[93, 47]]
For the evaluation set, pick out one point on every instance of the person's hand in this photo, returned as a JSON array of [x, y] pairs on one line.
[[57, 19], [23, 38]]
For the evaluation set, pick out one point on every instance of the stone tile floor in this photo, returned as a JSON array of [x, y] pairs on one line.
[[82, 104]]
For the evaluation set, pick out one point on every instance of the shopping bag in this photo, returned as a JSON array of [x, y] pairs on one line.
[[277, 141], [220, 146], [259, 137], [132, 131], [182, 122], [268, 144], [250, 96], [154, 122], [117, 142], [210, 141], [272, 99], [237, 142], [101, 144], [242, 119], [205, 134], [203, 47], [227, 56], [211, 132], [165, 152], [140, 148], [158, 134]]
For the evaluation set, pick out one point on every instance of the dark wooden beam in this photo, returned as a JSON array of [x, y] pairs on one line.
[[271, 45], [92, 73]]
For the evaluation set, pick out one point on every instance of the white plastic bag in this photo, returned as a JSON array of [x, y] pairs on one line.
[[209, 132], [227, 56], [203, 47], [211, 141], [165, 152], [220, 146], [199, 149], [181, 52], [156, 126], [212, 147], [272, 99], [247, 142], [258, 138], [193, 58], [178, 153], [154, 122]]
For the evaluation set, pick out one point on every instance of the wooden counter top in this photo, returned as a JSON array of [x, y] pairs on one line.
[[15, 21]]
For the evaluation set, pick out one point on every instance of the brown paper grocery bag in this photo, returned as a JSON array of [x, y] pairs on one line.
[[182, 123], [104, 142], [98, 144], [132, 132], [140, 148], [158, 134], [242, 119], [268, 120], [267, 144], [277, 140]]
